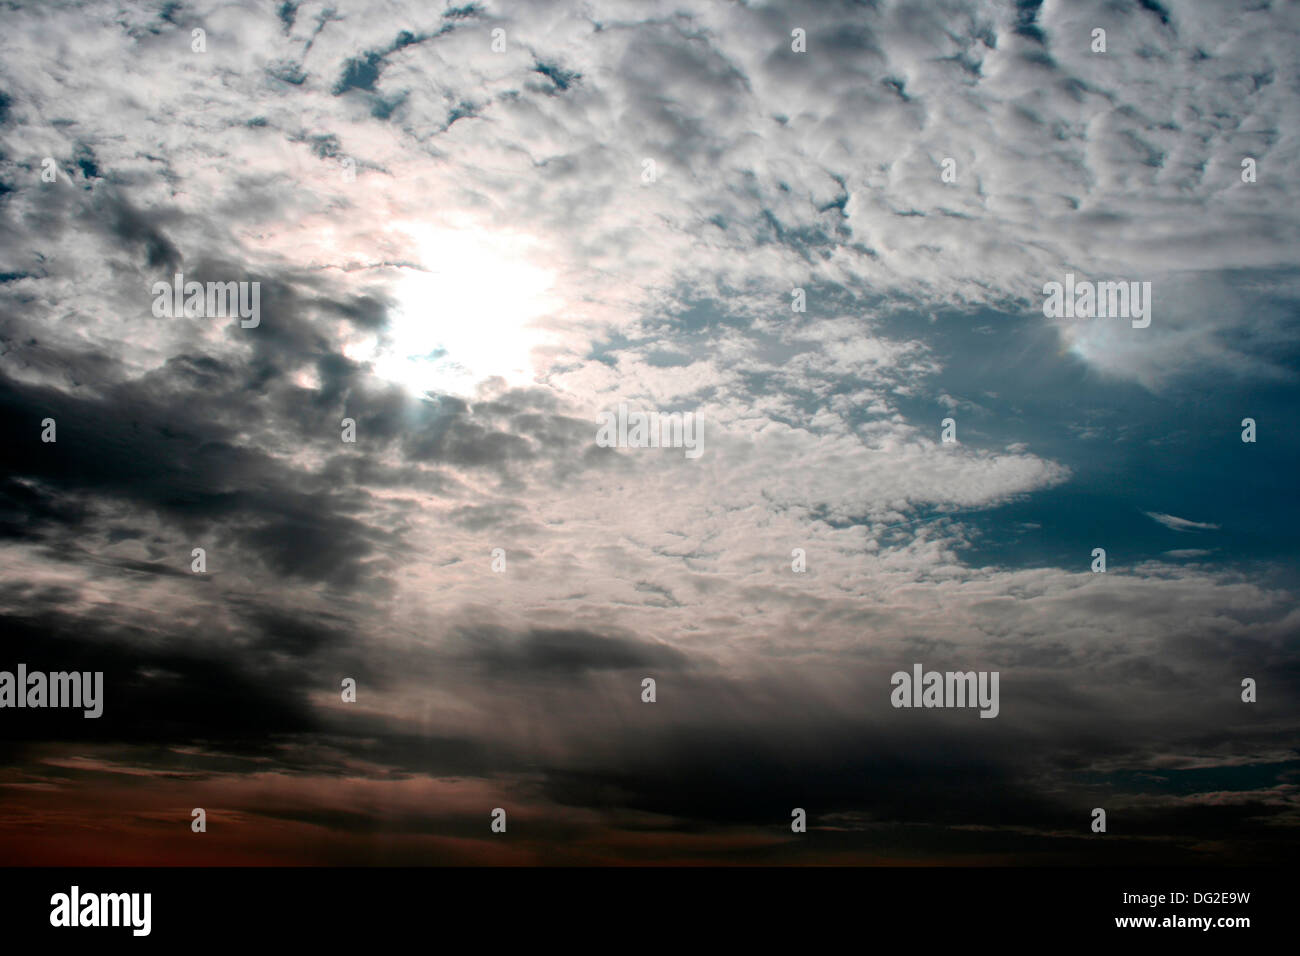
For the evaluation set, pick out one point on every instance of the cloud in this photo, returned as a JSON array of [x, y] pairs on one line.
[[1174, 523], [461, 250]]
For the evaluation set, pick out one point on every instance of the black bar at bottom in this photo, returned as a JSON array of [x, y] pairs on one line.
[[809, 907]]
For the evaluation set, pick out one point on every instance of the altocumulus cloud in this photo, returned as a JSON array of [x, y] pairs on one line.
[[471, 252]]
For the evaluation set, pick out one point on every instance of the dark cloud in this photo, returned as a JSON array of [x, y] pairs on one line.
[[161, 692], [143, 446], [546, 652]]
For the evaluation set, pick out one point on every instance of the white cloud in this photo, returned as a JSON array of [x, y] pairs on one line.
[[1175, 523]]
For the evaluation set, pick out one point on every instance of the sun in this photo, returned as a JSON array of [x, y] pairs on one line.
[[466, 311]]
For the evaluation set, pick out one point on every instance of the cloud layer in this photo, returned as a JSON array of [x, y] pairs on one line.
[[471, 252]]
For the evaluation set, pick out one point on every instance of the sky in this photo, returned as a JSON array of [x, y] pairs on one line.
[[824, 230]]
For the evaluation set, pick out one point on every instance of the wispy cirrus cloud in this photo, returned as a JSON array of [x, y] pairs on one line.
[[1174, 523]]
